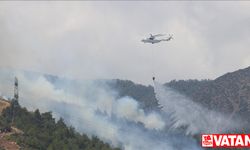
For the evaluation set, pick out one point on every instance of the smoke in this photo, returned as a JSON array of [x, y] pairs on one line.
[[92, 108], [189, 115]]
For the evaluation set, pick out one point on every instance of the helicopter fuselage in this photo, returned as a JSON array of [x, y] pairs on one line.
[[151, 41]]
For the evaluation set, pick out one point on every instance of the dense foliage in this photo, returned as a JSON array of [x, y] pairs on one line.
[[187, 87], [41, 131], [228, 94], [143, 94]]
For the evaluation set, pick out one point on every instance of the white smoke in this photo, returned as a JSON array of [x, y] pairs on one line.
[[186, 113], [96, 111], [129, 109]]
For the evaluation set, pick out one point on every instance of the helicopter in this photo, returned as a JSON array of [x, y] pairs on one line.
[[152, 39]]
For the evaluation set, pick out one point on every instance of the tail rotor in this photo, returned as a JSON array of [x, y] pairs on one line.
[[171, 36]]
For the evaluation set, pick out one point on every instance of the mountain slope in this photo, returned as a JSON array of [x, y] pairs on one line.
[[41, 131], [229, 93]]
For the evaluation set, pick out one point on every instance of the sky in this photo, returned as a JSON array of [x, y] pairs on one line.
[[102, 39]]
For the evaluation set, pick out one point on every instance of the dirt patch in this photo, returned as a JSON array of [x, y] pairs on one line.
[[6, 144]]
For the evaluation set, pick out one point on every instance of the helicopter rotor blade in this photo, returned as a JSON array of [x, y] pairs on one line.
[[159, 35]]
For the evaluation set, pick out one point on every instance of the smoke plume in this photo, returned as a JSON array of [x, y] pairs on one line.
[[94, 109], [190, 115]]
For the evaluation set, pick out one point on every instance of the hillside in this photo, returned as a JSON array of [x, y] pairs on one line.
[[41, 131], [229, 93]]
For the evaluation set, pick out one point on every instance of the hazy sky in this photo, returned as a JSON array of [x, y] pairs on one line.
[[87, 40]]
